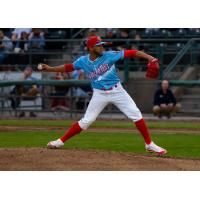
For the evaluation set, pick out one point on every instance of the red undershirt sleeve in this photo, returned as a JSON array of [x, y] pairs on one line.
[[130, 53], [69, 67]]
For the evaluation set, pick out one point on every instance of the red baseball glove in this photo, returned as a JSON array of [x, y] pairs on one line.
[[152, 69]]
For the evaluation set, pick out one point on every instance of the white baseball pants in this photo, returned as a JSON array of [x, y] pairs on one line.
[[100, 99]]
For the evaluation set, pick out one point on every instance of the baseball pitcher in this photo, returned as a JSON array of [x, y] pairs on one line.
[[99, 66]]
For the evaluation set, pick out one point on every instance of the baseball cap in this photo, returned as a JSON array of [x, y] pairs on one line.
[[94, 41]]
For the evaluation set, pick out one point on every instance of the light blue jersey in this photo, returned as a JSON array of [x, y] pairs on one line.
[[101, 71]]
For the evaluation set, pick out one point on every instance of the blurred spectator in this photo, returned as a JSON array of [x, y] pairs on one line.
[[164, 101], [5, 46], [60, 91], [92, 32], [152, 31], [80, 92], [27, 92], [16, 34], [136, 44], [137, 37], [110, 34], [36, 39], [123, 34], [22, 43], [6, 76], [44, 32]]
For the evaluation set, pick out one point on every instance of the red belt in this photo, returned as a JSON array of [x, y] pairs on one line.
[[111, 88]]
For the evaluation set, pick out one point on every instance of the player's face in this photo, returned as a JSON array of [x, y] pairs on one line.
[[98, 50], [165, 85]]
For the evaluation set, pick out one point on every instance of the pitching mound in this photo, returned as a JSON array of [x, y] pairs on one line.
[[75, 159]]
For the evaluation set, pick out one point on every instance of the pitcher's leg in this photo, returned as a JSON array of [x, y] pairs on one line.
[[95, 106], [72, 131], [126, 104]]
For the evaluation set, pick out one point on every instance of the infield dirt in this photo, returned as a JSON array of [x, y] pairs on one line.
[[82, 160]]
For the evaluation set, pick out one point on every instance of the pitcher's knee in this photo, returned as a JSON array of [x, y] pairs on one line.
[[156, 109], [84, 123], [136, 115]]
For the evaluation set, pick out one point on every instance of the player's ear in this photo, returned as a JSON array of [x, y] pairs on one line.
[[90, 48]]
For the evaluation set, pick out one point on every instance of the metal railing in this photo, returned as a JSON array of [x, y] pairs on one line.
[[156, 47], [68, 83], [184, 83], [78, 32], [180, 55], [44, 95]]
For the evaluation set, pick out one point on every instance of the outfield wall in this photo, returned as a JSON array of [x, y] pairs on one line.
[[142, 91]]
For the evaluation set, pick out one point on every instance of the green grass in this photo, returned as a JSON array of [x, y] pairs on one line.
[[112, 124], [178, 145]]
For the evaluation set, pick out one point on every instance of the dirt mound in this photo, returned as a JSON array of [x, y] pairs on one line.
[[75, 159]]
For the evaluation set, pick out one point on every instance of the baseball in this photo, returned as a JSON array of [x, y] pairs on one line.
[[39, 67]]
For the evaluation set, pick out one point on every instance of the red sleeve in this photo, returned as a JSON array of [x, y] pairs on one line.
[[69, 67], [130, 53]]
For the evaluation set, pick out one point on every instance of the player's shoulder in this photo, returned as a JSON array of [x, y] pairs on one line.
[[83, 57], [111, 52]]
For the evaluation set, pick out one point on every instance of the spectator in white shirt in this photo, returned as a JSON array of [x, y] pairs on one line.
[[16, 34]]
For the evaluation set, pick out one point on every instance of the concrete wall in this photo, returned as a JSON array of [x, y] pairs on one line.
[[191, 73], [142, 91]]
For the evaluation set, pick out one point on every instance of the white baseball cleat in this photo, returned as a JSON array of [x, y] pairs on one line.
[[152, 147], [56, 144]]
